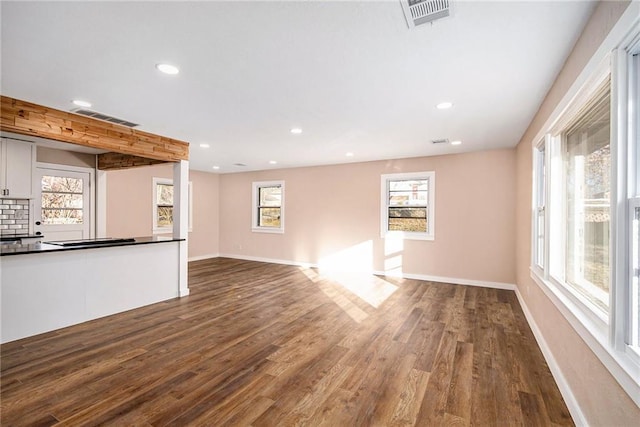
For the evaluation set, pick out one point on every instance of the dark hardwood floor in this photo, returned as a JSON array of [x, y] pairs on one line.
[[272, 345]]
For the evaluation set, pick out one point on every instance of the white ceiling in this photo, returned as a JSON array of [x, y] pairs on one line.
[[350, 74]]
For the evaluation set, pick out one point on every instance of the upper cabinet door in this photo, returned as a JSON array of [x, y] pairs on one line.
[[16, 176]]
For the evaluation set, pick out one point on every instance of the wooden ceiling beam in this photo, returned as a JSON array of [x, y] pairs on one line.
[[25, 118], [114, 161]]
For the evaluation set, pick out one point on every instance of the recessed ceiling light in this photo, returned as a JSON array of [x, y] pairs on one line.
[[349, 154], [456, 142], [272, 162], [216, 167], [296, 130], [444, 105], [168, 68], [80, 103], [204, 146]]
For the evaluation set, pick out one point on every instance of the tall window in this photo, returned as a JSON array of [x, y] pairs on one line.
[[407, 205], [163, 206], [586, 233], [587, 180], [268, 207]]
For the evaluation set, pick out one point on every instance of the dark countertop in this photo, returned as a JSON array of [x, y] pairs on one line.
[[35, 248], [8, 237]]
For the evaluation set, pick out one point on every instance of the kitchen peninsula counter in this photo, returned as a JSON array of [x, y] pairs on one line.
[[36, 248], [45, 287]]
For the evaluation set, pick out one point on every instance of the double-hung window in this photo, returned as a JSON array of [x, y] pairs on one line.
[[163, 206], [268, 207], [586, 213], [407, 205]]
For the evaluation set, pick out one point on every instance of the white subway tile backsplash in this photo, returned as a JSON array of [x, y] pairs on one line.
[[14, 216]]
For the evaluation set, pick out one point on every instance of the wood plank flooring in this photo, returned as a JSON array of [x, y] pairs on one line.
[[273, 345]]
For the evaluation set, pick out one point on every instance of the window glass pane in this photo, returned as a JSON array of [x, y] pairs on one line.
[[540, 237], [269, 217], [61, 184], [409, 192], [62, 216], [540, 207], [409, 185], [408, 219], [635, 285], [62, 201], [164, 194], [165, 216], [270, 196], [588, 191]]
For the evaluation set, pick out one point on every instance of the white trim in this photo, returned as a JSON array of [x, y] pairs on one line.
[[430, 234], [424, 277], [567, 394], [255, 187], [455, 281], [101, 203], [621, 366], [202, 257], [92, 190]]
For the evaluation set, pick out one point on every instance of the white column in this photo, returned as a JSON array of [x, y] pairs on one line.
[[181, 220], [101, 203]]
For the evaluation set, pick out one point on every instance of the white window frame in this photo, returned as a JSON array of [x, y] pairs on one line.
[[539, 205], [430, 176], [169, 229], [255, 205], [608, 336]]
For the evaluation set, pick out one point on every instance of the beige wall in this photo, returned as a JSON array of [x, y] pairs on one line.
[[332, 216], [601, 399], [63, 157], [130, 200]]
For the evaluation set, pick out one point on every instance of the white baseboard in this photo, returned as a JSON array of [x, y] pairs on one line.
[[457, 281], [428, 278], [201, 257], [563, 385]]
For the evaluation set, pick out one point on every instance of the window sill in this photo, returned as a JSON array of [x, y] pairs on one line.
[[406, 235], [267, 230], [167, 230], [622, 366]]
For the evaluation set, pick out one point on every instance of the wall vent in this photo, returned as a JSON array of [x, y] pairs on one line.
[[419, 12], [440, 141], [100, 116]]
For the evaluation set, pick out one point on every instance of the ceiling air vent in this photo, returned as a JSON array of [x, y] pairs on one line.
[[440, 141], [100, 116], [419, 12]]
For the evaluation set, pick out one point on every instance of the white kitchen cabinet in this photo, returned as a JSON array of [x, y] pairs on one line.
[[17, 160]]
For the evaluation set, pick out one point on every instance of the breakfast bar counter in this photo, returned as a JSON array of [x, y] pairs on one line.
[[70, 245], [47, 286]]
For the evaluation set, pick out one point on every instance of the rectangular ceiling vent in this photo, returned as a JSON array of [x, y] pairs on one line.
[[100, 116], [440, 141], [419, 12]]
